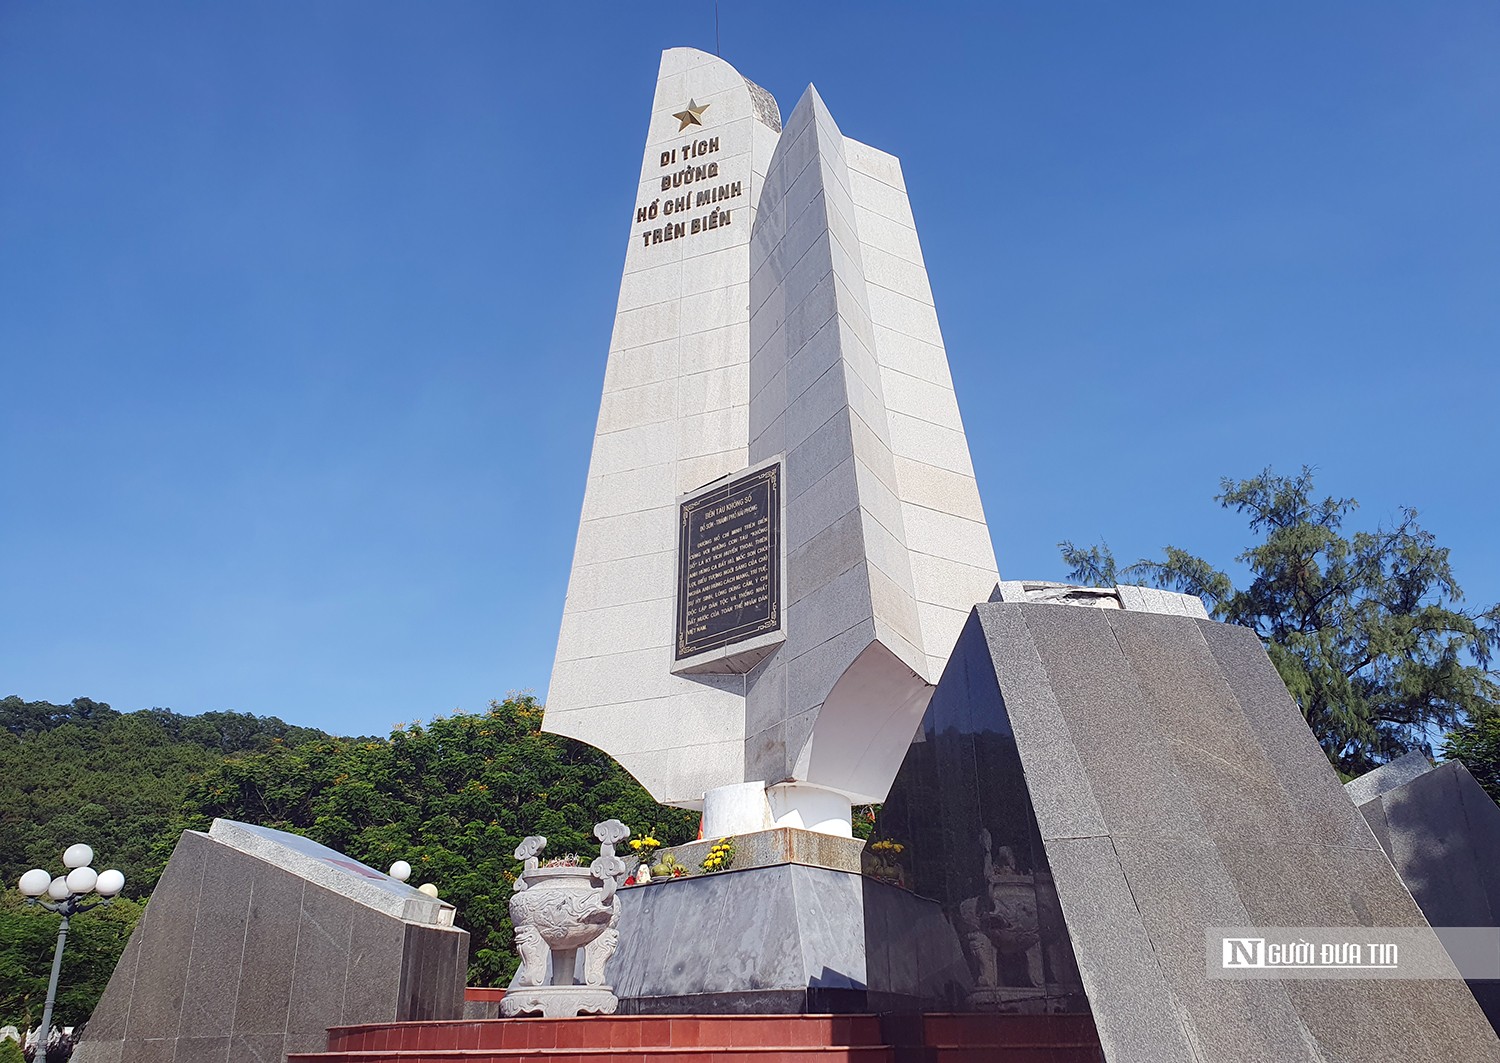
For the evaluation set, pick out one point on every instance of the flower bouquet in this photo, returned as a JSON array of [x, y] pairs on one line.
[[643, 849], [720, 856], [885, 860]]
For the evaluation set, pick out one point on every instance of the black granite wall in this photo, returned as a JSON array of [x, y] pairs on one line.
[[962, 812]]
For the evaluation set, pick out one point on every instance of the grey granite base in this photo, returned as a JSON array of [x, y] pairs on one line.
[[783, 939]]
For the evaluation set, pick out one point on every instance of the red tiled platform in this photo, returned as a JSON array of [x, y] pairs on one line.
[[721, 1039]]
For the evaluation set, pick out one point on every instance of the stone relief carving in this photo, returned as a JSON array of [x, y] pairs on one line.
[[1012, 932]]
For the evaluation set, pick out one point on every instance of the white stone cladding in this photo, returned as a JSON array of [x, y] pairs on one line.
[[952, 557], [674, 415], [802, 332], [887, 549]]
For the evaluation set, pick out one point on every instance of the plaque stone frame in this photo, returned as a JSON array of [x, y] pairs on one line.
[[723, 653]]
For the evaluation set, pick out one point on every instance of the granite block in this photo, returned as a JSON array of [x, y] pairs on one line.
[[1134, 777], [376, 953], [1388, 777], [154, 1007], [830, 915], [263, 994], [742, 955], [1445, 844], [316, 1040], [1394, 1021], [202, 1050], [1441, 831], [1180, 886], [1324, 813], [1128, 991], [99, 1052], [257, 1048], [415, 961], [1054, 765], [218, 946], [266, 957], [1234, 785], [779, 845], [321, 959], [785, 938], [148, 1050]]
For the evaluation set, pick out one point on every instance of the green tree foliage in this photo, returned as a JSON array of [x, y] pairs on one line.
[[23, 718], [1367, 629], [1476, 742], [10, 1052], [454, 797], [28, 939], [84, 772]]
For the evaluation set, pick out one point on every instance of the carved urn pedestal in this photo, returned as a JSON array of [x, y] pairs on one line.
[[562, 911]]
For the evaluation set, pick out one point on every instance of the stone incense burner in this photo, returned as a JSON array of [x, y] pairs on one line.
[[558, 911]]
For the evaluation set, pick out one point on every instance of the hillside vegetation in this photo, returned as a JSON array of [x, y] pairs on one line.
[[453, 797]]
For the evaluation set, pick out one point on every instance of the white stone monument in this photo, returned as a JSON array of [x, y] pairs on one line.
[[781, 534]]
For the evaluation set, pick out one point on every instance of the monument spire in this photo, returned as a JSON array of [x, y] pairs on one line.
[[781, 534]]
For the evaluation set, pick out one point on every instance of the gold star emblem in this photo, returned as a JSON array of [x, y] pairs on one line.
[[692, 116]]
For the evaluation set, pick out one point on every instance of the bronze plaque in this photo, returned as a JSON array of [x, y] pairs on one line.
[[729, 563]]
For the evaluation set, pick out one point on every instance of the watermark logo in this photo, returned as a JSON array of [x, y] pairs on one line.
[[1352, 952], [1257, 953]]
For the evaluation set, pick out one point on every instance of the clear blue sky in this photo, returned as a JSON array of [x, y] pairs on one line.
[[304, 307]]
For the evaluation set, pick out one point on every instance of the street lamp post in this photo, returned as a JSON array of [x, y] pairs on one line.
[[68, 896]]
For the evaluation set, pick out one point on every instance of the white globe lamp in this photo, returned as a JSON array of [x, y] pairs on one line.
[[79, 855], [35, 882], [82, 879]]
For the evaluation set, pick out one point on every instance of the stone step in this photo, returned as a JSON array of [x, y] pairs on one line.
[[933, 1038], [701, 1054], [1007, 1031], [615, 1031], [1087, 1053]]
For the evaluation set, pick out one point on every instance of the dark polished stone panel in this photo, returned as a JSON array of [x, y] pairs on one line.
[[729, 563], [961, 809], [376, 951], [202, 1050]]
